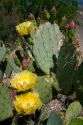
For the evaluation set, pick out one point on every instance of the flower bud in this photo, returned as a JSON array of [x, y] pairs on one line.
[[63, 18], [67, 26], [72, 25], [25, 63], [31, 16], [53, 10], [45, 11]]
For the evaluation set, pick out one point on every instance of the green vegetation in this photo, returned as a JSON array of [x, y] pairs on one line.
[[41, 66]]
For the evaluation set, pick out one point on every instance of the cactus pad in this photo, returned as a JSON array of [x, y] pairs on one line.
[[79, 86], [45, 45], [5, 103], [66, 66], [54, 119], [44, 88]]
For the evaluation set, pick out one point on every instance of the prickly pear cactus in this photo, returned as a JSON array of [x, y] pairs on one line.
[[45, 45], [11, 66], [79, 86], [66, 68], [44, 88], [73, 110], [54, 119], [5, 104], [76, 121], [2, 52]]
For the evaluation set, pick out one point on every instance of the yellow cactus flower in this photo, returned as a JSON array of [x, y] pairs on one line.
[[25, 28], [28, 103], [24, 80]]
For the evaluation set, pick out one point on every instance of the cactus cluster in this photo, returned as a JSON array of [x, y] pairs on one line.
[[65, 77]]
